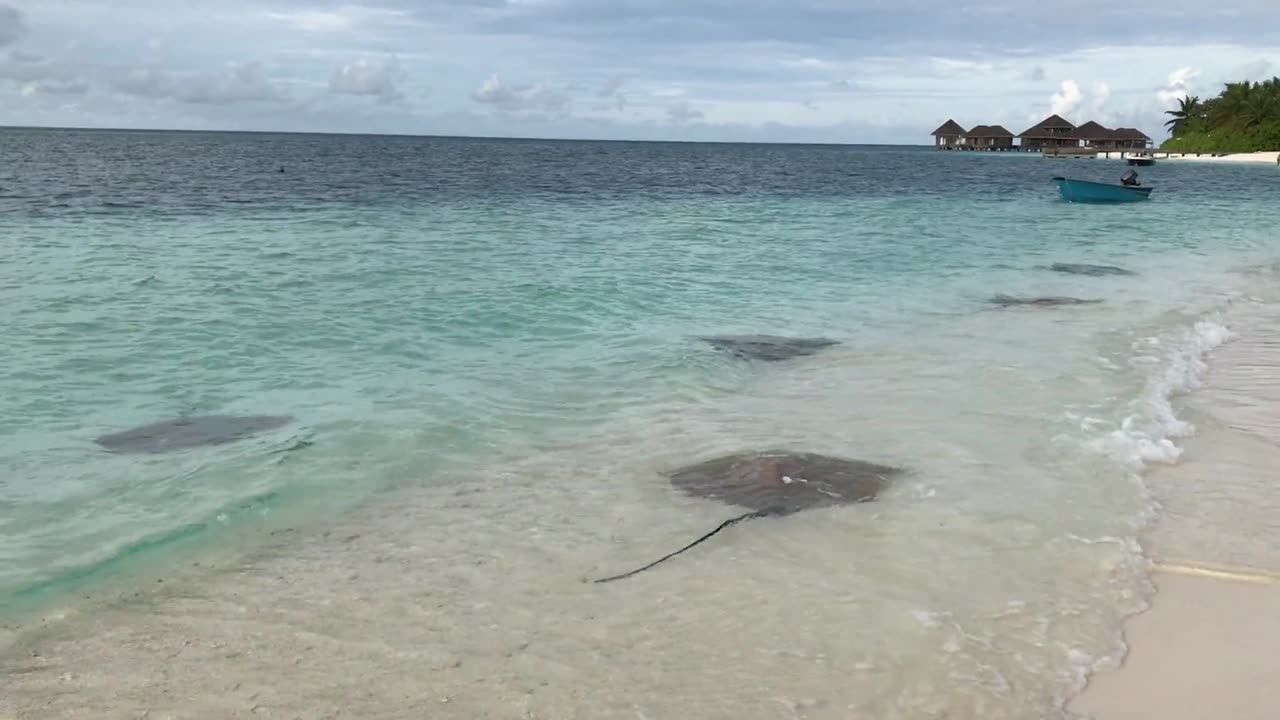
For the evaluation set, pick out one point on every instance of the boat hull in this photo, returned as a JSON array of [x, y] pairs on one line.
[[1085, 191]]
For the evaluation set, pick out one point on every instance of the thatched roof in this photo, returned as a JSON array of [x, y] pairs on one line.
[[949, 128], [1129, 134], [1093, 131], [989, 131], [1041, 129]]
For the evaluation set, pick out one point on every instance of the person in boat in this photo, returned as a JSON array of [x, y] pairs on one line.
[[1130, 178]]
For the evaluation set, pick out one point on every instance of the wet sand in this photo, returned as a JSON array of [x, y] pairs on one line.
[[1206, 648]]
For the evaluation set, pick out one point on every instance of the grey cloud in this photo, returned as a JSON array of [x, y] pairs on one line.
[[25, 68], [369, 78], [612, 88], [242, 83], [55, 87], [856, 26], [681, 113], [612, 85], [522, 98], [1037, 74], [247, 82], [12, 25]]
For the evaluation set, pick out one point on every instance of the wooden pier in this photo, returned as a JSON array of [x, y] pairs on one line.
[[1069, 152]]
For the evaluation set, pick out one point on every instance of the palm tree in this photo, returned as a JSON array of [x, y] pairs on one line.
[[1228, 111], [1258, 108], [1188, 110]]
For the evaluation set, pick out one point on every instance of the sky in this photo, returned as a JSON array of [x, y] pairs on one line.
[[843, 71]]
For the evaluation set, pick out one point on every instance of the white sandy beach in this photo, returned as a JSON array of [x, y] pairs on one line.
[[1206, 647], [1263, 158]]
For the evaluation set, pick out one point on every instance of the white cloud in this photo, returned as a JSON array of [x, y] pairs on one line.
[[953, 66], [537, 99], [1179, 86], [1256, 70], [370, 78], [808, 63], [1067, 100], [338, 19], [1101, 92]]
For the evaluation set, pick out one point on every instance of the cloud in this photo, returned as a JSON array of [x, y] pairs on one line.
[[612, 85], [817, 28], [612, 88], [337, 19], [1101, 92], [859, 70], [12, 25], [808, 63], [240, 83], [1178, 87], [369, 78], [537, 99], [682, 114], [1256, 70], [54, 87], [1067, 100], [29, 70]]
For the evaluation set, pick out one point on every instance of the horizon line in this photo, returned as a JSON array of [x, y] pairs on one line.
[[66, 128]]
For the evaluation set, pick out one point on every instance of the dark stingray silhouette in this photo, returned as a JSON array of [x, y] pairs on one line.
[[1087, 269], [189, 432], [775, 483], [1043, 301], [768, 347]]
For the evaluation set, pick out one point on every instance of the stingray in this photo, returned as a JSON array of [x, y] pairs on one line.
[[1043, 301], [768, 347], [775, 483], [1092, 270], [189, 432]]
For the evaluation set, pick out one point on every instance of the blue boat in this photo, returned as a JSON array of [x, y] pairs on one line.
[[1085, 191]]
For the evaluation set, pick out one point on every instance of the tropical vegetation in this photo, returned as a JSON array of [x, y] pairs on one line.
[[1244, 117]]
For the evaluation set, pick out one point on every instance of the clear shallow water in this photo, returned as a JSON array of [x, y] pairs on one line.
[[490, 345]]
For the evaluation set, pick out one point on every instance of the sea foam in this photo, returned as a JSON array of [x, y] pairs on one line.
[[1175, 364]]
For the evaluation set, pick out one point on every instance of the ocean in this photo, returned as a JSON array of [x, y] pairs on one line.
[[490, 353]]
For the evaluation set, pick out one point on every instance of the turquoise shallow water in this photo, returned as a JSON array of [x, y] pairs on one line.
[[493, 344]]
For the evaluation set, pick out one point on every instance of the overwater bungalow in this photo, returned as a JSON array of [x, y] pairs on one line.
[[1054, 136], [949, 136], [1052, 132], [989, 137], [1093, 135], [1131, 139]]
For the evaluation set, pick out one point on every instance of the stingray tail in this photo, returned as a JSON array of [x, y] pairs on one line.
[[721, 526]]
